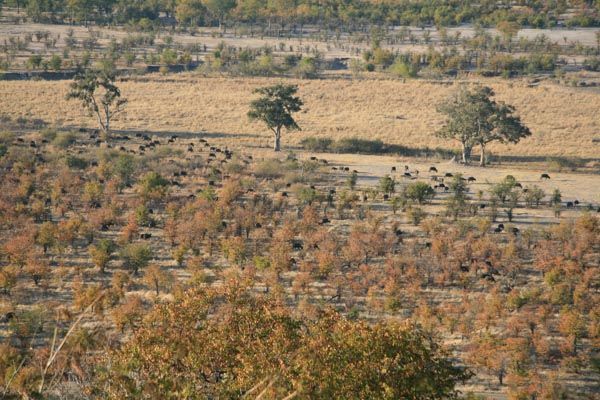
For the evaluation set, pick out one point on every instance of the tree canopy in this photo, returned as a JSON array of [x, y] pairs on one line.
[[98, 94], [475, 119], [275, 108]]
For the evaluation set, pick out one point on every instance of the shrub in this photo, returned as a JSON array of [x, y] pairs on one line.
[[76, 162], [416, 215], [419, 192], [64, 139], [356, 145], [136, 256], [316, 144], [257, 343]]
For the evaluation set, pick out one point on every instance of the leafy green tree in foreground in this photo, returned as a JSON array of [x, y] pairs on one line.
[[275, 108], [98, 94], [233, 344], [475, 119]]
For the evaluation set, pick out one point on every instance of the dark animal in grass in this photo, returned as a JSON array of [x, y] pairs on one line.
[[325, 221], [393, 169], [145, 236], [570, 204], [433, 169], [448, 175], [544, 176], [7, 317]]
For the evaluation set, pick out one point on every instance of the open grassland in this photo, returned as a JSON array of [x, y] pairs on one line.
[[564, 120]]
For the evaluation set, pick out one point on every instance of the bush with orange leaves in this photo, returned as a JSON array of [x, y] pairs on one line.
[[229, 344]]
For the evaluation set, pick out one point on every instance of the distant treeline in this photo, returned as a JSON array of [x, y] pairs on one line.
[[337, 14]]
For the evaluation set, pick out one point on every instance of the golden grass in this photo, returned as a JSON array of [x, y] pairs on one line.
[[563, 120]]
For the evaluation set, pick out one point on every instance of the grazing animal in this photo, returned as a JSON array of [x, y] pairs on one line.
[[448, 175], [433, 169], [501, 226], [7, 317], [569, 204], [515, 231], [331, 191], [284, 194], [482, 206], [334, 168], [544, 176], [297, 245], [406, 168], [576, 202], [325, 221], [386, 197], [518, 185], [398, 232], [393, 169], [407, 175], [471, 179], [498, 230], [258, 225], [313, 158], [145, 236], [211, 183]]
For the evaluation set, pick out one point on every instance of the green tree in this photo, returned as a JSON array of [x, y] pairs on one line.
[[219, 9], [387, 184], [190, 12], [98, 94], [419, 192], [275, 108], [101, 253], [55, 62], [458, 198], [136, 256], [474, 118]]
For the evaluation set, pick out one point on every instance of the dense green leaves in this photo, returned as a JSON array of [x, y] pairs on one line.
[[275, 108], [473, 118]]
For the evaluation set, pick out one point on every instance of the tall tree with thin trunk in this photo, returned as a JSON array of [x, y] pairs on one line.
[[99, 95], [473, 118], [275, 108]]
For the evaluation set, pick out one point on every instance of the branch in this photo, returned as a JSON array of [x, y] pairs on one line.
[[54, 353]]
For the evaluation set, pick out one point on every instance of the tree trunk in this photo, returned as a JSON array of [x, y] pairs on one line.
[[482, 156], [277, 146], [466, 153]]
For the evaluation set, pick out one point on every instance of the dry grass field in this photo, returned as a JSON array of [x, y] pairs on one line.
[[564, 120]]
